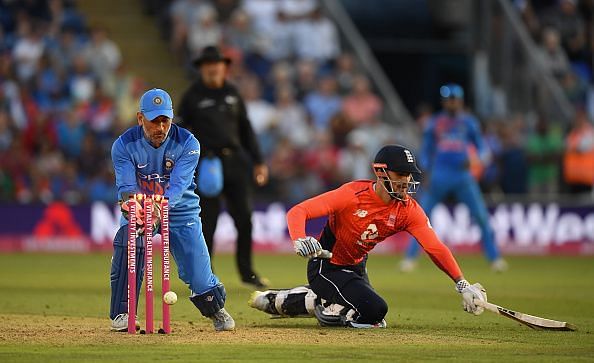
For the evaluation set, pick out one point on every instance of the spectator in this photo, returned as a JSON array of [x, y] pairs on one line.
[[353, 160], [264, 15], [281, 75], [27, 51], [50, 85], [225, 9], [575, 89], [71, 132], [103, 54], [81, 84], [361, 105], [345, 72], [317, 38], [240, 34], [578, 159], [307, 81], [570, 25], [6, 131], [552, 55], [513, 163], [543, 149], [91, 157], [204, 31], [101, 186], [292, 118], [183, 14], [262, 115], [68, 47], [323, 103], [67, 184]]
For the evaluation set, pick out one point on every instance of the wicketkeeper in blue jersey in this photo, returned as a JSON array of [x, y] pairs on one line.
[[444, 156], [158, 157]]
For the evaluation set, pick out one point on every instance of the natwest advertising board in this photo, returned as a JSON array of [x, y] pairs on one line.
[[537, 228]]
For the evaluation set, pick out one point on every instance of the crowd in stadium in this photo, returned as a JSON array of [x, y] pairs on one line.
[[65, 95]]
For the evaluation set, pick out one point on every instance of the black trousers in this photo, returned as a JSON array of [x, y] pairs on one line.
[[348, 286], [237, 194]]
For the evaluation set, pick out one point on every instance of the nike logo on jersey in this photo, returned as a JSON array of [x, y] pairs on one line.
[[142, 166], [190, 224]]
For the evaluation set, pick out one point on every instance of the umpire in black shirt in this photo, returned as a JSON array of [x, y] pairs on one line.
[[215, 113]]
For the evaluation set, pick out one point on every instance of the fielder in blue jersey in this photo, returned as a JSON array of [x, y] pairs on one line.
[[158, 157], [444, 155]]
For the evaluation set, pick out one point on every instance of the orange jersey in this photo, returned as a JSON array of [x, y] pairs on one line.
[[358, 220]]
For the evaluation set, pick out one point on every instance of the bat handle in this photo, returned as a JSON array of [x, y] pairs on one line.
[[325, 254], [486, 305]]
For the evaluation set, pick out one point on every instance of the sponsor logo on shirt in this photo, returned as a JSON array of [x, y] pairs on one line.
[[391, 220], [207, 102], [194, 152], [361, 213]]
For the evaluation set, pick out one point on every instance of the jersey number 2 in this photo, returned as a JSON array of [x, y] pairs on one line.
[[370, 233]]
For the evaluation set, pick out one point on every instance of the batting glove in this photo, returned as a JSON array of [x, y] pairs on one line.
[[307, 247], [470, 293]]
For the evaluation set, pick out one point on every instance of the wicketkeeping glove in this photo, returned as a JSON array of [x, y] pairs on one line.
[[307, 247], [140, 217], [469, 294], [125, 208]]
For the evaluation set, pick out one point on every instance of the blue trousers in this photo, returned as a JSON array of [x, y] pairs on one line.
[[465, 189], [188, 249]]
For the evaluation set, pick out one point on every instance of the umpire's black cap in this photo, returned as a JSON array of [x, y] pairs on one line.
[[211, 54], [396, 158]]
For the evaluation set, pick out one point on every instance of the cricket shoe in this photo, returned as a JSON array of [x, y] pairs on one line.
[[120, 323], [381, 324], [222, 321], [407, 265], [499, 265], [264, 301], [254, 280]]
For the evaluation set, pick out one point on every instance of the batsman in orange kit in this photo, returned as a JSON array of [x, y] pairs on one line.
[[360, 214]]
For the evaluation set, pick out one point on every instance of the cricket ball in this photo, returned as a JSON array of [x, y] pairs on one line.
[[170, 298]]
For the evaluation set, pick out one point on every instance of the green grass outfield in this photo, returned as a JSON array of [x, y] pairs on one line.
[[54, 308]]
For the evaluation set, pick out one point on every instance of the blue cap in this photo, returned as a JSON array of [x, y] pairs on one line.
[[155, 103], [451, 90]]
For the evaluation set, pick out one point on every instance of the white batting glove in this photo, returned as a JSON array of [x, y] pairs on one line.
[[469, 294], [307, 247]]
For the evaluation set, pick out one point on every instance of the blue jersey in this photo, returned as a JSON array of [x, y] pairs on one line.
[[446, 140], [167, 170]]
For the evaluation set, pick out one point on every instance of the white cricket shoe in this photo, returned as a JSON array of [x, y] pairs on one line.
[[499, 265], [120, 323], [407, 265], [222, 321], [264, 301], [381, 324]]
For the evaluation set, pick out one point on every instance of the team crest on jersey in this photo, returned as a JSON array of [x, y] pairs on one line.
[[157, 100], [169, 164], [230, 99], [361, 213]]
